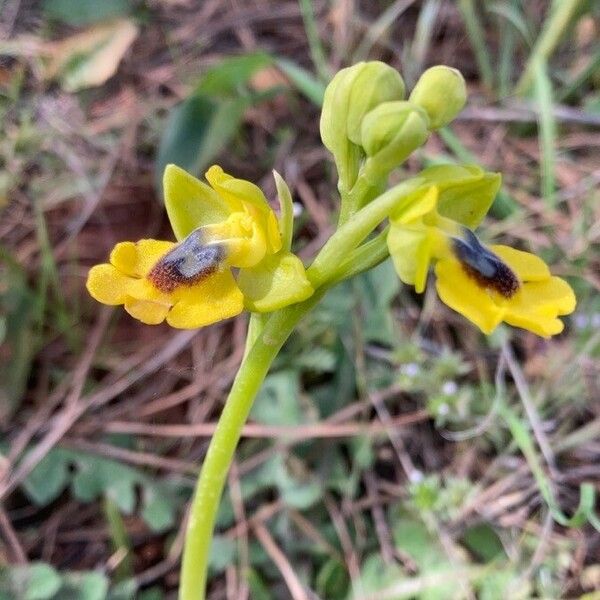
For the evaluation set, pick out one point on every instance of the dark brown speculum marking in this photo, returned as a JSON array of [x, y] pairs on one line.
[[485, 267], [186, 264]]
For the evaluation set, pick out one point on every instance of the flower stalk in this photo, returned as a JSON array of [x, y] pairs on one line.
[[219, 456]]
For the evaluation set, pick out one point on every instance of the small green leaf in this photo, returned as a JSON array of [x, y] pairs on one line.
[[300, 495], [90, 585], [85, 12], [332, 580], [376, 289], [484, 542], [278, 400], [222, 553], [42, 582], [18, 305], [230, 74], [258, 588], [304, 81], [49, 478], [158, 511]]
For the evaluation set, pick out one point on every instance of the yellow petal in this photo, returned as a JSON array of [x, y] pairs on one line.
[[124, 258], [403, 244], [240, 195], [147, 311], [553, 296], [412, 248], [246, 253], [273, 234], [108, 285], [527, 266], [214, 299], [148, 253], [421, 203], [276, 282], [243, 238], [539, 324], [461, 293]]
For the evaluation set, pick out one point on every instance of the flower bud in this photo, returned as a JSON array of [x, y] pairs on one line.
[[376, 83], [350, 95], [391, 132], [441, 91]]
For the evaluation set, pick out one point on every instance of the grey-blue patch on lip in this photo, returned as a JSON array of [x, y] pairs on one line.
[[485, 267], [186, 264]]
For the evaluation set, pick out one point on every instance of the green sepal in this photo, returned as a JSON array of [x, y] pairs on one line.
[[466, 192], [279, 280], [190, 203]]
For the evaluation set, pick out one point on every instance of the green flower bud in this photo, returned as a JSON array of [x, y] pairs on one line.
[[376, 83], [391, 132], [350, 95], [441, 91]]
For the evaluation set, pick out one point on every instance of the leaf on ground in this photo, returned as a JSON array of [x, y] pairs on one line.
[[222, 553], [91, 57], [376, 290], [85, 585], [278, 400], [92, 477], [85, 12], [18, 306], [36, 581]]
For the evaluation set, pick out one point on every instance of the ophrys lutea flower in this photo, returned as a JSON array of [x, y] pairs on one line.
[[225, 228], [487, 285]]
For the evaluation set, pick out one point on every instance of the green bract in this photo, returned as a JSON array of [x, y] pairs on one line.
[[466, 192]]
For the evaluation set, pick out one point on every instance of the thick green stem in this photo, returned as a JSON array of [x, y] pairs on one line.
[[213, 474], [336, 251]]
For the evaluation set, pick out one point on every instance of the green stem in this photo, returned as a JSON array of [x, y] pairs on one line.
[[337, 249], [213, 474]]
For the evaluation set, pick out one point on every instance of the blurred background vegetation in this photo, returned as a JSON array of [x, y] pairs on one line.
[[394, 452]]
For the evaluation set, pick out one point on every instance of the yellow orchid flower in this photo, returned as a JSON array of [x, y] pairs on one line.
[[486, 285], [228, 224]]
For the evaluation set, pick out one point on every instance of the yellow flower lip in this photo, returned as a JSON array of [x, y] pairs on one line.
[[536, 305], [188, 263], [156, 281], [482, 265]]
